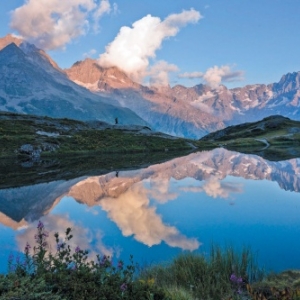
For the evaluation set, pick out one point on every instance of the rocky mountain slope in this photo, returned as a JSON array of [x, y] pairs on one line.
[[161, 107], [194, 111], [32, 83]]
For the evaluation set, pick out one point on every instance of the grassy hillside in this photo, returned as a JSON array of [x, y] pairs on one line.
[[37, 136], [32, 137], [274, 138]]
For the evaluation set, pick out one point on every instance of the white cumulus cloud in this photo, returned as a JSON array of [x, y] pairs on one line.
[[134, 46], [216, 75], [159, 73], [53, 24]]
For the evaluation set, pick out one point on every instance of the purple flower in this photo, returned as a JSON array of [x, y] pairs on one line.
[[120, 264], [45, 234], [12, 268], [59, 246], [233, 277], [77, 249], [10, 258], [40, 225], [105, 261], [123, 287], [27, 248]]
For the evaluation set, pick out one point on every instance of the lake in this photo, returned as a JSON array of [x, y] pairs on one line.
[[154, 213]]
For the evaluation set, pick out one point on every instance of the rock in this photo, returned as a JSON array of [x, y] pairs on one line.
[[49, 147], [26, 149], [29, 149]]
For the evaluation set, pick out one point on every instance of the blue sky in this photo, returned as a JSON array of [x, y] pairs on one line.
[[239, 41]]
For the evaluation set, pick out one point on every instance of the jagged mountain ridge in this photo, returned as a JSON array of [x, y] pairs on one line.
[[37, 85], [194, 111], [160, 107], [32, 83]]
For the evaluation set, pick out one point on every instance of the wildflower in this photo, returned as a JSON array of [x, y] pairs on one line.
[[77, 249], [45, 234], [123, 287], [120, 265], [233, 277], [105, 262], [10, 258], [27, 248], [40, 225], [59, 246], [236, 279], [239, 280]]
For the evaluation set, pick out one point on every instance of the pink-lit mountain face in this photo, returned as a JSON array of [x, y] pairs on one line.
[[195, 111]]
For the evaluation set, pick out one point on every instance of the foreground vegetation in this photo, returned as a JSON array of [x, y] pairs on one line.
[[70, 274]]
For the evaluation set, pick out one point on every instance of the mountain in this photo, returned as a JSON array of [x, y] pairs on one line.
[[195, 111], [32, 83], [161, 107]]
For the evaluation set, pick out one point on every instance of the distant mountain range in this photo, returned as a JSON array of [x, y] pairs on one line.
[[31, 82], [195, 111]]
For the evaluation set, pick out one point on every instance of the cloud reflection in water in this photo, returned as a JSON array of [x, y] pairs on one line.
[[214, 187], [82, 237]]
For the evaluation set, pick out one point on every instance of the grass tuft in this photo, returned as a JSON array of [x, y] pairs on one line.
[[207, 277]]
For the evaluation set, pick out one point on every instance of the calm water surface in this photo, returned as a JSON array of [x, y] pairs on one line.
[[157, 212]]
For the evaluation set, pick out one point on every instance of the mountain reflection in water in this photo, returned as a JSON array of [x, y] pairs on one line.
[[218, 195]]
